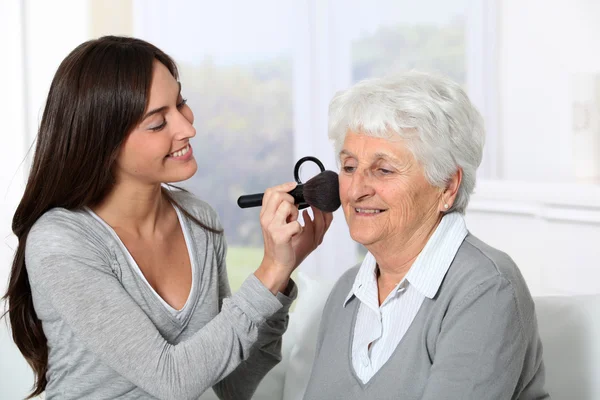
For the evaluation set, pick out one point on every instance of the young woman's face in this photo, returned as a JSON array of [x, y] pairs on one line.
[[158, 149]]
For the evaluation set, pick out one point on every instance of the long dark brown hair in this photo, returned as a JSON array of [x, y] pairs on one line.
[[97, 97]]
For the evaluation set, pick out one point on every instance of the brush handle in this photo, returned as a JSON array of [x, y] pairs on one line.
[[250, 200], [255, 200]]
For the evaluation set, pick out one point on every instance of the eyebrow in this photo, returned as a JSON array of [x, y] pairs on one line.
[[385, 156], [377, 155], [163, 108]]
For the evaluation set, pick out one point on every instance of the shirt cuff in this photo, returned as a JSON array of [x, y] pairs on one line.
[[255, 300], [286, 301]]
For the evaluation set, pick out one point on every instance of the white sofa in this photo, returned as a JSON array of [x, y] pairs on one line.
[[569, 327]]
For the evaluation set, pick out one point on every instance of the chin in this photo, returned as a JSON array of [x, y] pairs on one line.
[[362, 237], [183, 174]]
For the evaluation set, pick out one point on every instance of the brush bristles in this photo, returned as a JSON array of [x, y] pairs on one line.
[[323, 192]]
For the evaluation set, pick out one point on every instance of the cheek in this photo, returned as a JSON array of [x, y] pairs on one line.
[[139, 155], [422, 198], [404, 199], [126, 153], [344, 183]]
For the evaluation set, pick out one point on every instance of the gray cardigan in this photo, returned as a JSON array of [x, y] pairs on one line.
[[110, 337], [476, 339]]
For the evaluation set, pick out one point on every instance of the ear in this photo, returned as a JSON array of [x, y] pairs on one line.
[[451, 190]]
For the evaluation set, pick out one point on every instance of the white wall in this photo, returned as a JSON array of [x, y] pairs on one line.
[[542, 44], [322, 66], [552, 232], [550, 225], [53, 29], [14, 374]]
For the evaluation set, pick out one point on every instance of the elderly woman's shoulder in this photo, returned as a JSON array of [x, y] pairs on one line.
[[478, 264], [344, 283], [485, 260], [348, 277]]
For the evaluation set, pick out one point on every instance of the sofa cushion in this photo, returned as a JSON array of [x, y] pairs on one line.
[[569, 327], [302, 334]]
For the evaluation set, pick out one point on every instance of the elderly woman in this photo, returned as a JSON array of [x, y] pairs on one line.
[[432, 312]]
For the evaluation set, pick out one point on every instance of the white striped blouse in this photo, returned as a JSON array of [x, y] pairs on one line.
[[384, 326]]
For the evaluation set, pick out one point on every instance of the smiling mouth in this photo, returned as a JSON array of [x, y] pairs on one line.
[[368, 211], [180, 152]]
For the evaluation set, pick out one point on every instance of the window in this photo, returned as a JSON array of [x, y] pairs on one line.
[[259, 78], [236, 64], [402, 35], [549, 91]]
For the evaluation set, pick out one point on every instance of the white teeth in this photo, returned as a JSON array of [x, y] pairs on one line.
[[362, 211], [181, 152]]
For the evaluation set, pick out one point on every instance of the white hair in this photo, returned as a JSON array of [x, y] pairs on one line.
[[431, 113]]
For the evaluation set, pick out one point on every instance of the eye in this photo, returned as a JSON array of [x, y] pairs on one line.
[[349, 169], [159, 127], [385, 171], [182, 103]]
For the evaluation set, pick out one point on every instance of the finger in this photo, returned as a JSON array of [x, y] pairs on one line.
[[320, 225], [308, 222], [328, 220], [287, 232], [272, 193], [272, 198], [286, 213]]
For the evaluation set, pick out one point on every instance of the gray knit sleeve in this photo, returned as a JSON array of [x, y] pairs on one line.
[[266, 352], [74, 273]]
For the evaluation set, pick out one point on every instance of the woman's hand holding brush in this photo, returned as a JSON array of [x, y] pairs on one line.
[[286, 242]]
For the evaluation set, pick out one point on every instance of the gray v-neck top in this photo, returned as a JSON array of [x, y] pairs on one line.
[[476, 339], [186, 309], [111, 337]]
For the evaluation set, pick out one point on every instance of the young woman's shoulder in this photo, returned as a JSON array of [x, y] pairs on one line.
[[63, 223], [64, 229], [65, 242], [197, 207]]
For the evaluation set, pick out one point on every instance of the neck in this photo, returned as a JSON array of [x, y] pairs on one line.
[[133, 208], [396, 256]]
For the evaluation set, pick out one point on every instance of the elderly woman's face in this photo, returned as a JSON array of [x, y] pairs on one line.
[[384, 192]]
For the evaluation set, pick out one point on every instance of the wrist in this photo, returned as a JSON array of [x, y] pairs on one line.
[[285, 287], [273, 277]]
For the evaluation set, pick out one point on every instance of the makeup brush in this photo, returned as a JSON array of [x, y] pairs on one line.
[[321, 191]]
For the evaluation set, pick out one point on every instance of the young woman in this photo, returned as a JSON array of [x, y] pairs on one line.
[[119, 287]]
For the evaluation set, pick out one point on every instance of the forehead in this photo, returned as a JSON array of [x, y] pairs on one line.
[[361, 146], [164, 85]]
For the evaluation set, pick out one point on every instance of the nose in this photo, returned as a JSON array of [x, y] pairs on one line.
[[183, 123], [360, 186]]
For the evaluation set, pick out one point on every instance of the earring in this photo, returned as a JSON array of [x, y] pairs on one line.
[[446, 206]]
